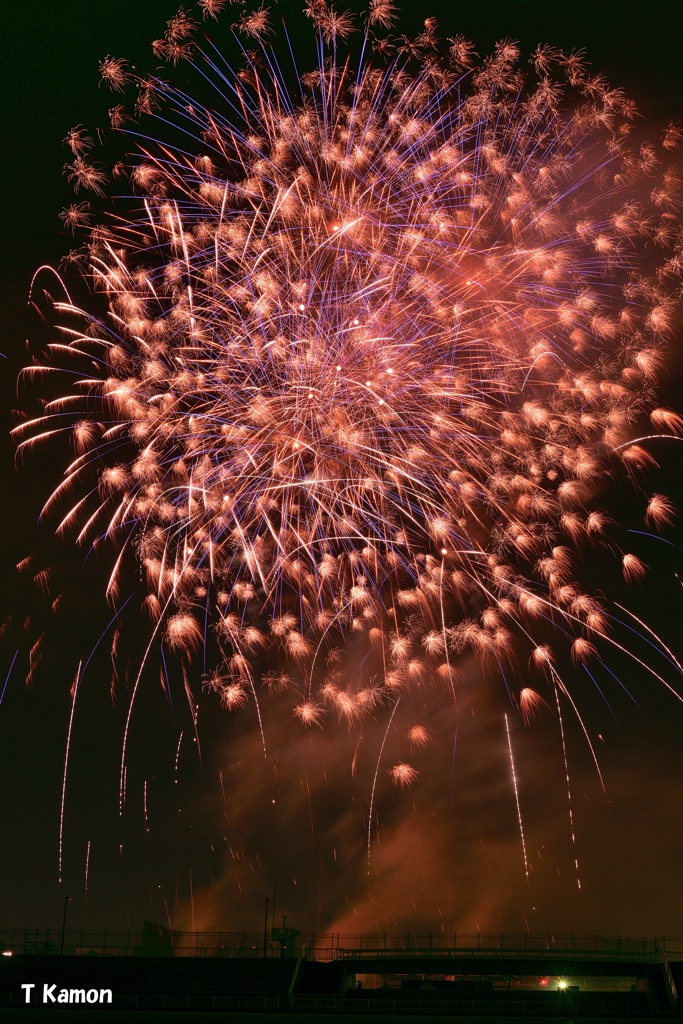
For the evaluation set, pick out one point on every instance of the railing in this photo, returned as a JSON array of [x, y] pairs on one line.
[[508, 953], [331, 946]]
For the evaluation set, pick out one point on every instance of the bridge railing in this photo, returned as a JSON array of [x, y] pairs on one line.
[[498, 953]]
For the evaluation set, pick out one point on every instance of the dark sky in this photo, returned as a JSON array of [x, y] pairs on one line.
[[453, 857]]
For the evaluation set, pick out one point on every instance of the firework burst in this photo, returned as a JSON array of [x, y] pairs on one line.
[[359, 355]]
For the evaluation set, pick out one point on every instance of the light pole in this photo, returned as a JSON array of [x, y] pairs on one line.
[[265, 930], [67, 900]]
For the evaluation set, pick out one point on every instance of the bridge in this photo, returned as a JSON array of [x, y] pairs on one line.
[[508, 979], [481, 975]]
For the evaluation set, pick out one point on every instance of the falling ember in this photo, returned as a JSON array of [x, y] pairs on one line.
[[419, 737], [355, 362], [530, 703], [403, 774], [634, 569], [661, 511], [309, 713], [233, 696]]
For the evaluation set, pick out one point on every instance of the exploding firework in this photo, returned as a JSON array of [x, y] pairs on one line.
[[359, 354]]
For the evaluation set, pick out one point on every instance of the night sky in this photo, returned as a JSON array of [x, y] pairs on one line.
[[220, 828]]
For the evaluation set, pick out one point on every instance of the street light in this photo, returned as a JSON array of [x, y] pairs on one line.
[[67, 901]]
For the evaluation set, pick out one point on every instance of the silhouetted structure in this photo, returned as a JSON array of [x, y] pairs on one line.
[[166, 971]]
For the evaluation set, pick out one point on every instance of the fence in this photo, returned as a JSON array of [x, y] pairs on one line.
[[231, 944]]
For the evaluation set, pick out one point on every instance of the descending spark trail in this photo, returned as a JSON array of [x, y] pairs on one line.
[[74, 694], [177, 758], [569, 791], [358, 357], [374, 782], [9, 673], [87, 870], [519, 809]]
